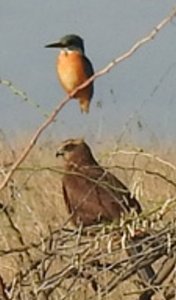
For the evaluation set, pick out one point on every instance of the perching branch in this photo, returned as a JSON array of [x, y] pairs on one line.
[[149, 37]]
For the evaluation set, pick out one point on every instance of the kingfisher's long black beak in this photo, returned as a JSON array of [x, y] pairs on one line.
[[55, 45]]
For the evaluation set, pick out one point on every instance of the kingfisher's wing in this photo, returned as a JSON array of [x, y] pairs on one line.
[[89, 72]]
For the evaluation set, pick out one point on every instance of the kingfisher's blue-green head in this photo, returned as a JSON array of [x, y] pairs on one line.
[[70, 41]]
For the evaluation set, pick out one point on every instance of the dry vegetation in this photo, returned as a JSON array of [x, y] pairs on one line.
[[43, 257]]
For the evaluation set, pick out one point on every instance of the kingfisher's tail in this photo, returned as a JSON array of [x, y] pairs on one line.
[[84, 104]]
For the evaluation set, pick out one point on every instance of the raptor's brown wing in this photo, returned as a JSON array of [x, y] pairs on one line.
[[94, 194]]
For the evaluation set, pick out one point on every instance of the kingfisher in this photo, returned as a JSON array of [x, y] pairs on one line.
[[74, 68]]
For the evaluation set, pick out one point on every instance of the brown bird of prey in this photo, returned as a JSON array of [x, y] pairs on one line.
[[91, 193]]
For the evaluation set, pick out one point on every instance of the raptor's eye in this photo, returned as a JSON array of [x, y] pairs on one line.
[[69, 147]]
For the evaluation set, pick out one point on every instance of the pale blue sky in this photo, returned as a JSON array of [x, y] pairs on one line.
[[109, 28]]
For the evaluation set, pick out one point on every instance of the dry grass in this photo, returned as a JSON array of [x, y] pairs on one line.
[[32, 208]]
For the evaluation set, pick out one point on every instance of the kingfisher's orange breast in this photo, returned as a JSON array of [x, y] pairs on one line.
[[71, 70]]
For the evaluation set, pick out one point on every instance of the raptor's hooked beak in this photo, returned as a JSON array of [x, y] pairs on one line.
[[60, 152]]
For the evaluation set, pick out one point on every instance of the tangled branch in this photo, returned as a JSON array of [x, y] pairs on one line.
[[84, 256]]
